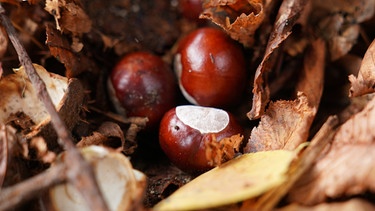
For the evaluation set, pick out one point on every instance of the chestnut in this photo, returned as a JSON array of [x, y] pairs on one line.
[[191, 10], [210, 67], [142, 84], [185, 129]]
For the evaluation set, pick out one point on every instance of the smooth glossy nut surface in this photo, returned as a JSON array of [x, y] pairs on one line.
[[141, 84], [184, 130], [210, 67]]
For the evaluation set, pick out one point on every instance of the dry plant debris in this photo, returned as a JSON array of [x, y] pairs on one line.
[[308, 112]]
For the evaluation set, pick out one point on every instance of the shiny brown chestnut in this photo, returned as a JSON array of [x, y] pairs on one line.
[[185, 129], [191, 9], [142, 84], [210, 67]]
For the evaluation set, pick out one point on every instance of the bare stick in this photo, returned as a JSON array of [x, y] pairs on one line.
[[15, 195], [80, 174]]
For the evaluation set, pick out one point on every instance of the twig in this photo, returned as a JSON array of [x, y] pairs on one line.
[[80, 174], [15, 195]]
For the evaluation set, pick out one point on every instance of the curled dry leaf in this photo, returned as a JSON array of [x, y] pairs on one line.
[[218, 152], [337, 22], [121, 185], [312, 75], [365, 81], [3, 43], [352, 204], [60, 48], [285, 125], [239, 18], [69, 16], [4, 152], [249, 176], [289, 12], [18, 96], [103, 136], [332, 176]]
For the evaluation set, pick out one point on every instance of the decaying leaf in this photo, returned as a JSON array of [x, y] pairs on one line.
[[69, 16], [3, 43], [349, 205], [121, 185], [19, 96], [4, 152], [312, 78], [106, 132], [60, 48], [298, 167], [239, 18], [365, 81], [218, 152], [241, 178], [285, 125], [337, 22], [289, 12], [333, 176]]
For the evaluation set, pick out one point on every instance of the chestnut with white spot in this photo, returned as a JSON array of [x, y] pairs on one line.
[[185, 129]]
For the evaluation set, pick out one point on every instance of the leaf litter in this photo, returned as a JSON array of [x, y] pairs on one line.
[[296, 49]]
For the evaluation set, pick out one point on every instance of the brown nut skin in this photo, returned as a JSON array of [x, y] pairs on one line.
[[191, 9], [185, 146], [211, 69], [142, 84]]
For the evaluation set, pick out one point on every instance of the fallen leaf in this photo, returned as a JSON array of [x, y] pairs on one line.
[[3, 43], [312, 76], [289, 12], [4, 152], [239, 18], [349, 205], [69, 16], [332, 176], [285, 125], [218, 152], [108, 134], [60, 48], [337, 22], [249, 175], [365, 81]]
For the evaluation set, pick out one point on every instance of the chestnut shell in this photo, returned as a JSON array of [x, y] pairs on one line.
[[185, 147], [144, 85], [211, 68]]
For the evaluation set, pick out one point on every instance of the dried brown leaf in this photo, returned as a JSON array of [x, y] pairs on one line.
[[345, 171], [106, 133], [352, 204], [332, 176], [285, 125], [3, 43], [337, 22], [61, 49], [4, 153], [218, 152], [365, 81], [239, 18], [312, 78], [359, 129], [288, 15], [69, 16]]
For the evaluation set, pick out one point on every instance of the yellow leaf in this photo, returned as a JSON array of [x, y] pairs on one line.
[[244, 177]]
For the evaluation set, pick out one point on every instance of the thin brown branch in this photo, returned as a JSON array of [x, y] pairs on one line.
[[17, 194], [80, 174]]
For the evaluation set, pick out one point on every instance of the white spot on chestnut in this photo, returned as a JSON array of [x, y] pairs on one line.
[[204, 119], [178, 71]]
